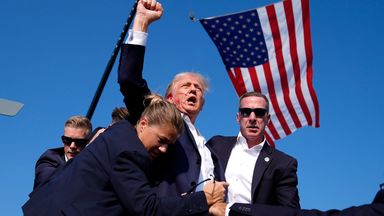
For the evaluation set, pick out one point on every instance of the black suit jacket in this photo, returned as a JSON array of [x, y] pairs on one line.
[[178, 170], [46, 165], [109, 177], [376, 208], [274, 177]]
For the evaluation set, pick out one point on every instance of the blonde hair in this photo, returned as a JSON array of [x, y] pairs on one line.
[[79, 121], [158, 111]]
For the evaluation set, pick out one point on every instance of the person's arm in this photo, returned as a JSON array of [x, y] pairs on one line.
[[45, 166], [132, 85], [138, 197], [286, 189], [218, 209], [242, 209]]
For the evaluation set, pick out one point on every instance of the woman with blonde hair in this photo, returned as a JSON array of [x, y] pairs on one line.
[[113, 175]]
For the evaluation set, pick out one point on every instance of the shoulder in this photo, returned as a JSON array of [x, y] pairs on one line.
[[117, 138], [53, 153], [280, 156], [52, 156], [219, 140], [120, 129]]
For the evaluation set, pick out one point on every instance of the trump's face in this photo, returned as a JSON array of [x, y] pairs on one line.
[[188, 94]]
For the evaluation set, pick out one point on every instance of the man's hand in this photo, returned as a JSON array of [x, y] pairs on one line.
[[217, 209], [215, 191], [147, 12]]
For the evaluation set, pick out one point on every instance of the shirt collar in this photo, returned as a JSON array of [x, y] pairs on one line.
[[243, 142]]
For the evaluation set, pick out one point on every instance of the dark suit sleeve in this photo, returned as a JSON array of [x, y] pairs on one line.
[[268, 210], [46, 165], [286, 189], [136, 195], [132, 85], [241, 209], [374, 209]]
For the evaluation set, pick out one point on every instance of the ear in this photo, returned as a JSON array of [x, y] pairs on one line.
[[143, 123], [238, 117], [170, 98], [268, 118]]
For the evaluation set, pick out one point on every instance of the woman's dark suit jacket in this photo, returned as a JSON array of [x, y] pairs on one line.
[[109, 177]]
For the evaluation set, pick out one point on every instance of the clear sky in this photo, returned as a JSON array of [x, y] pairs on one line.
[[53, 54]]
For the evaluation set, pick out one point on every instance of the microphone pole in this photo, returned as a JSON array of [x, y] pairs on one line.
[[111, 61]]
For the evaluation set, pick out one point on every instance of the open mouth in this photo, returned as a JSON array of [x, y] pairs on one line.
[[192, 100]]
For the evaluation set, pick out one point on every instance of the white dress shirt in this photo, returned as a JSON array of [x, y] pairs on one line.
[[206, 167], [239, 171]]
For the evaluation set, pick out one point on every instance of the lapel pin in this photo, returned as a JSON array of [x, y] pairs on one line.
[[266, 159]]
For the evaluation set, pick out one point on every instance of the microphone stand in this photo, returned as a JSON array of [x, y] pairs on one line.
[[111, 61]]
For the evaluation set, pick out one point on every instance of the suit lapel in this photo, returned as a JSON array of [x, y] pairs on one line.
[[226, 150], [61, 155], [189, 145], [265, 158]]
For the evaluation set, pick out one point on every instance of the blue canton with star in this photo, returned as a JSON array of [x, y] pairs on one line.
[[239, 38]]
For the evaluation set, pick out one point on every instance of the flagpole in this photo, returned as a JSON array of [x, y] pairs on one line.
[[111, 61]]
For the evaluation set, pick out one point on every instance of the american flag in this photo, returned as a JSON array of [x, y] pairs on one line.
[[269, 50]]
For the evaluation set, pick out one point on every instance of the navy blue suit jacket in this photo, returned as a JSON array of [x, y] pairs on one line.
[[376, 208], [110, 177], [274, 179], [46, 165], [178, 170]]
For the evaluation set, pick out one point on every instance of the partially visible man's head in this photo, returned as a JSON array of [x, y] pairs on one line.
[[186, 92], [253, 117], [76, 130], [119, 113]]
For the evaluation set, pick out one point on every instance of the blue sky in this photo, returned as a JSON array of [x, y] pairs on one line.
[[53, 54]]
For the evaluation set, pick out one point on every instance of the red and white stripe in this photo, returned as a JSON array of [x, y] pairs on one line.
[[286, 78]]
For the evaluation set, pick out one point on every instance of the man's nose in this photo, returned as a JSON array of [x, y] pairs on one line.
[[191, 90], [73, 145], [252, 116]]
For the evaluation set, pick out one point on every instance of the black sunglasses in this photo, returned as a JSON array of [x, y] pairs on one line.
[[246, 112], [78, 142]]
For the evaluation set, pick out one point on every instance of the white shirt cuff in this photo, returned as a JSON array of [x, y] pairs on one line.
[[136, 38], [227, 208]]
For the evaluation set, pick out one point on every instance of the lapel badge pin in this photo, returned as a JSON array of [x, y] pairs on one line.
[[267, 159]]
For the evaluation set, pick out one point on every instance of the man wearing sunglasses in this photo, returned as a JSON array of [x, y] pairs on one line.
[[256, 173], [74, 139]]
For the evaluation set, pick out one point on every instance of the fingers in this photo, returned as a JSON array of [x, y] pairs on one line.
[[217, 209], [147, 12], [150, 4], [159, 8], [154, 8], [215, 191]]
